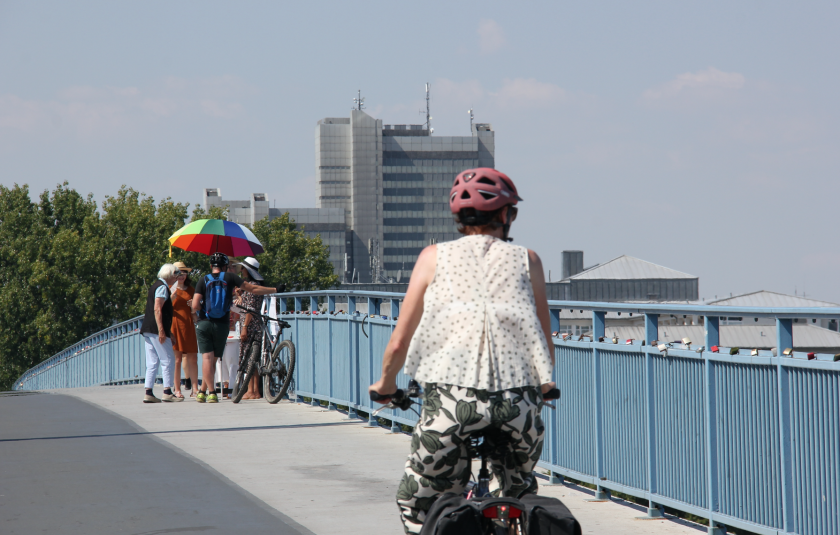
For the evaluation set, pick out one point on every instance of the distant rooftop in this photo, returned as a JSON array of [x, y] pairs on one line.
[[763, 298], [805, 337], [627, 267]]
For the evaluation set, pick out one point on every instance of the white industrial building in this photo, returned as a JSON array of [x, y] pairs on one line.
[[813, 334]]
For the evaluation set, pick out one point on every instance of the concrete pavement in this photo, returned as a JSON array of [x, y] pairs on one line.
[[301, 468], [70, 468]]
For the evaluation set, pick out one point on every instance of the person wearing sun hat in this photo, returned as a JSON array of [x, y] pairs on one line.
[[252, 265], [251, 273], [184, 343]]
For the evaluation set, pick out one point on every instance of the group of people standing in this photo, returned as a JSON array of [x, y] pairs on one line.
[[178, 324]]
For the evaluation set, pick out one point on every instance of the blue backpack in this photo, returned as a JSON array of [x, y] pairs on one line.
[[215, 294]]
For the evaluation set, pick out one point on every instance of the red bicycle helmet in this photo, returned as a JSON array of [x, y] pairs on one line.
[[482, 189]]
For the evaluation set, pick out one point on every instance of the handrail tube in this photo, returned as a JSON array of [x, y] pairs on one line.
[[700, 310], [637, 308]]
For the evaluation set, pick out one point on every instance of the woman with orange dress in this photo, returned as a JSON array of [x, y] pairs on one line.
[[184, 342]]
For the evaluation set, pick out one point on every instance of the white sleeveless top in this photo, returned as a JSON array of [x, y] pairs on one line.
[[479, 327]]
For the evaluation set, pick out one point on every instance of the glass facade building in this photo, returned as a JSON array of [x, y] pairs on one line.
[[393, 182], [328, 223], [380, 195]]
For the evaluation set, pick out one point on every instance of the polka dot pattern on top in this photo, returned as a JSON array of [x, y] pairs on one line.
[[479, 327]]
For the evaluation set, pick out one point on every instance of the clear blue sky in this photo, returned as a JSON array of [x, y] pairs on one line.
[[702, 136]]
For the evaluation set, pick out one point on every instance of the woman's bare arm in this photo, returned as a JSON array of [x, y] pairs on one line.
[[538, 282], [410, 314]]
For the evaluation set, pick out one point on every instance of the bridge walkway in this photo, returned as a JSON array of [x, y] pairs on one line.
[[190, 468]]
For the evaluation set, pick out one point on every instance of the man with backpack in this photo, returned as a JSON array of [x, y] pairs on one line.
[[212, 301]]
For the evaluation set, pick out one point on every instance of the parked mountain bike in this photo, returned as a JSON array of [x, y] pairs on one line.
[[270, 357], [477, 510]]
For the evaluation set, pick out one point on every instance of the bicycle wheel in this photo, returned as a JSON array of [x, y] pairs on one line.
[[243, 376], [280, 370]]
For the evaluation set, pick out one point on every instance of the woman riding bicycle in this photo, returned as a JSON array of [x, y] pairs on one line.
[[474, 329]]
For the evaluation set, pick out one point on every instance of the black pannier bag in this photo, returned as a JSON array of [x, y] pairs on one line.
[[452, 514], [548, 516]]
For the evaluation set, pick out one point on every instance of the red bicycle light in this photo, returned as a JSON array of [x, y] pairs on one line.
[[812, 356], [715, 349], [502, 511]]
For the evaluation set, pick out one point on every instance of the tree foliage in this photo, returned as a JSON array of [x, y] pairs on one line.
[[69, 268], [290, 257]]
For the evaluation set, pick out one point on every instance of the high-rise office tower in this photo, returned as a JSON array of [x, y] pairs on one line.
[[392, 182]]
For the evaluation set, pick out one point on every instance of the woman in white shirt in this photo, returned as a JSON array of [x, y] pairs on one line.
[[474, 328]]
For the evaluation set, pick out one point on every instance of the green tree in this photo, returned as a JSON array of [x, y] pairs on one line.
[[134, 245], [20, 241], [290, 257], [216, 212], [69, 269], [49, 272]]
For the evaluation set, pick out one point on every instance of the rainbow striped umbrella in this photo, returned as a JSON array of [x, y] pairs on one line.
[[210, 236]]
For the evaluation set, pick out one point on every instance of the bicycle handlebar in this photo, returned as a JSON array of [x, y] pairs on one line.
[[402, 401], [554, 393], [398, 399], [265, 317], [396, 396]]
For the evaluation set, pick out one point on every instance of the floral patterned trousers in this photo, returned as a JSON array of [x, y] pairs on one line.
[[438, 461]]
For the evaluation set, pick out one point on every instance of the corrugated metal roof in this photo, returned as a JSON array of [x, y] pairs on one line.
[[627, 267], [743, 336], [764, 298]]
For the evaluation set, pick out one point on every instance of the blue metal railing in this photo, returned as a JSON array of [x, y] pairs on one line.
[[112, 356], [745, 441]]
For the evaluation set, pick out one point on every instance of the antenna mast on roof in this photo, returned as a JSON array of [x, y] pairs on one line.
[[471, 118], [428, 111], [358, 102]]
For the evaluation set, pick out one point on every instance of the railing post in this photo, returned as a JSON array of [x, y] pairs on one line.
[[298, 306], [354, 361], [110, 358], [283, 305], [784, 340], [711, 436], [712, 324], [330, 308], [395, 308], [554, 313], [373, 306], [651, 328], [372, 421], [313, 306], [651, 334], [599, 325], [784, 335]]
